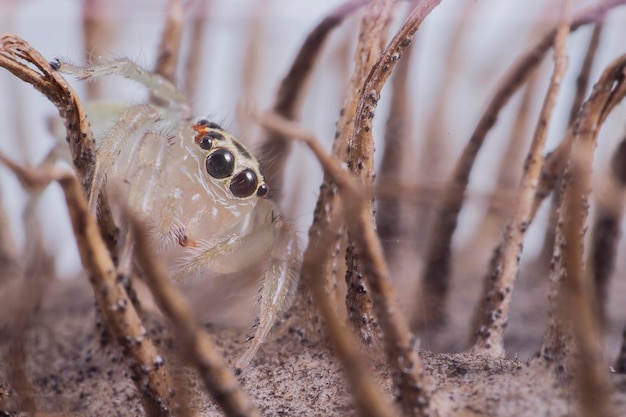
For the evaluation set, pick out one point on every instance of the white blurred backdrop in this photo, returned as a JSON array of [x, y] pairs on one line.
[[499, 31]]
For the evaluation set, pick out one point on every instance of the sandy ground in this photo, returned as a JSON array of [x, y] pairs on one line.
[[74, 371]]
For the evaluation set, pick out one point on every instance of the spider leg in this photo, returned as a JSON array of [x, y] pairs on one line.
[[120, 145], [279, 281], [160, 86], [270, 241]]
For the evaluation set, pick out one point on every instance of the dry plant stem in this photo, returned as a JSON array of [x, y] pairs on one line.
[[275, 148], [496, 218], [576, 301], [571, 286], [19, 58], [415, 390], [368, 399], [199, 18], [620, 362], [28, 302], [327, 217], [432, 154], [397, 160], [408, 374], [196, 345], [360, 160], [490, 337], [8, 250], [150, 376], [435, 274], [606, 229], [554, 163], [97, 35], [169, 47], [252, 65]]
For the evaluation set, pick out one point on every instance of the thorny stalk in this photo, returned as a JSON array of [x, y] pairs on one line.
[[620, 362], [356, 214], [327, 217], [97, 35], [554, 162], [432, 154], [288, 102], [360, 160], [252, 66], [19, 58], [573, 310], [196, 345], [34, 280], [367, 396], [407, 370], [199, 17], [152, 379], [397, 159], [169, 47], [606, 229], [436, 271], [496, 218], [490, 337]]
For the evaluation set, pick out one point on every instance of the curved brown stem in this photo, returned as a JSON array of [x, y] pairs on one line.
[[436, 271]]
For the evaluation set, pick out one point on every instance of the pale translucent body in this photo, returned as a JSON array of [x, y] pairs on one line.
[[151, 158]]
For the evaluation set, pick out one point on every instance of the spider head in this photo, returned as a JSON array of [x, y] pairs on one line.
[[229, 162]]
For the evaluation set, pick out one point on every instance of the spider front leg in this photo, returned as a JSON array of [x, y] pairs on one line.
[[269, 240], [158, 85]]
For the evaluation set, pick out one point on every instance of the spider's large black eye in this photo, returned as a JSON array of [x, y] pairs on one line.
[[220, 164], [244, 184]]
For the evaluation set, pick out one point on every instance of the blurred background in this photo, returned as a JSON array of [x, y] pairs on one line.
[[461, 51]]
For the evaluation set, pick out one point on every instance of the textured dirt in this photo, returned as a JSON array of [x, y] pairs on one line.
[[74, 370]]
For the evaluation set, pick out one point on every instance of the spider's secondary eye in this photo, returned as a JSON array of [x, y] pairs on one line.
[[263, 189], [205, 142], [220, 164], [244, 184]]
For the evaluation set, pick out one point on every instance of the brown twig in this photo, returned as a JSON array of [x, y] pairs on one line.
[[490, 337], [275, 148], [576, 298], [252, 66], [620, 362], [367, 396], [606, 229], [436, 271], [33, 285], [327, 217], [496, 219], [554, 163], [433, 150], [199, 19], [196, 345], [8, 249], [571, 284], [415, 390], [397, 160], [19, 58], [151, 377], [169, 46], [97, 34]]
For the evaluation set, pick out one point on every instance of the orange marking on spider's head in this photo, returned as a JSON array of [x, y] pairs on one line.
[[184, 241]]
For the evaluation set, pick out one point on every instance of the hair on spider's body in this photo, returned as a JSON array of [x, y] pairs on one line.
[[200, 190]]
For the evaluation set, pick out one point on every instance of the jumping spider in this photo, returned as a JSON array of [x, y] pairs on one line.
[[200, 189]]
